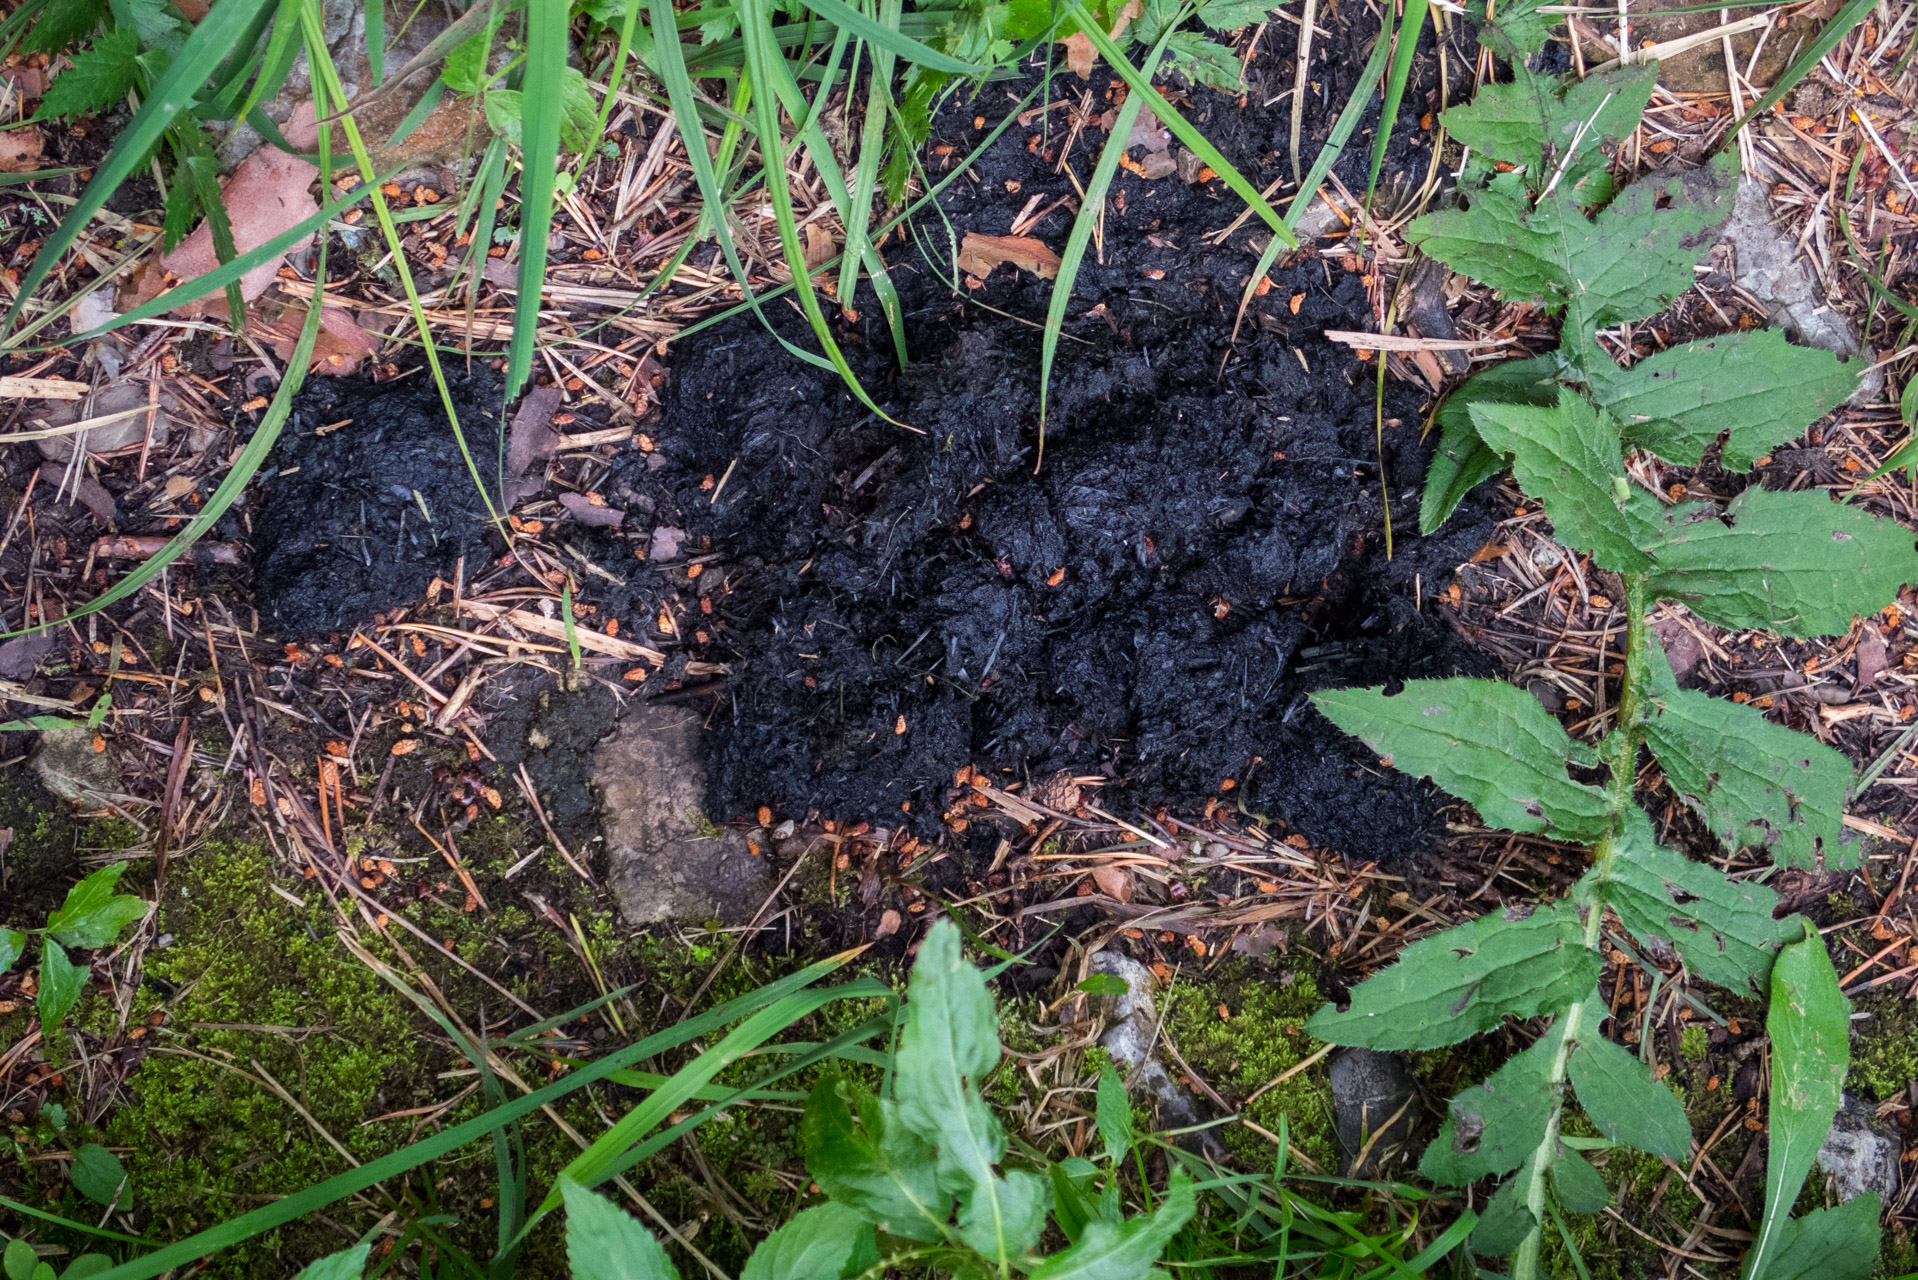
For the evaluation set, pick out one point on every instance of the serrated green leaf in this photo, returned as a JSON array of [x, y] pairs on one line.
[[467, 67], [862, 1156], [950, 1044], [1619, 1094], [1462, 461], [1516, 962], [1532, 121], [100, 77], [1809, 1023], [1485, 741], [1569, 457], [12, 943], [821, 1243], [183, 197], [1754, 782], [505, 109], [93, 914], [1205, 60], [1231, 15], [1500, 240], [1829, 1244], [1496, 1126], [1505, 1222], [347, 1264], [1518, 31], [159, 27], [1124, 1251], [1759, 387], [1578, 1185], [603, 1242], [1638, 254], [1795, 563], [61, 982], [63, 23], [100, 1177], [1723, 928], [1113, 1115]]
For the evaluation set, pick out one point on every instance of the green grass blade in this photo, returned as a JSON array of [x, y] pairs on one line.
[[595, 1164], [1826, 40], [767, 67], [1410, 29], [376, 39], [671, 68], [613, 74], [298, 1205], [1081, 234], [281, 47], [891, 39], [546, 22], [872, 141], [1180, 126], [209, 42]]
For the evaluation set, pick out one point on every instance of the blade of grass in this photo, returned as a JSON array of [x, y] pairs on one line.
[[1342, 128], [891, 39], [301, 1203], [1182, 128], [595, 1164], [872, 141], [209, 42], [766, 66], [1824, 42], [1410, 28], [1081, 234], [376, 40], [543, 82], [326, 83]]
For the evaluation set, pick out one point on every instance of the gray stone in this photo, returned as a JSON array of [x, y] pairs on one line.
[[1860, 1154], [1769, 266], [1374, 1107], [115, 397], [667, 860], [1131, 1040], [72, 769]]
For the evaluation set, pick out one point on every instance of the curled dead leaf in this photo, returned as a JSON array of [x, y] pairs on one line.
[[1114, 882], [1079, 54], [978, 255], [888, 924]]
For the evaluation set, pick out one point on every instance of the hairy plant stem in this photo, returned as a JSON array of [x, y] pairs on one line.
[[1620, 749]]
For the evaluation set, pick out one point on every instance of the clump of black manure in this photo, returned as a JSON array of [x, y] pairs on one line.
[[366, 499]]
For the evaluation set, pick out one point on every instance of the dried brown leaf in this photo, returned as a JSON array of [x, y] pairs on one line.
[[978, 255]]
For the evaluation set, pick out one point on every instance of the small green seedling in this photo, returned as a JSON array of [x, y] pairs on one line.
[[20, 1262], [1543, 223], [92, 916]]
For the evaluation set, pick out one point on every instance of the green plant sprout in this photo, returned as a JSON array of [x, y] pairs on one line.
[[1550, 229], [92, 916]]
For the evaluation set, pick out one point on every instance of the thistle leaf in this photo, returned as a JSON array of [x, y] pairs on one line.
[[1568, 455], [1500, 240], [1639, 252], [1755, 782], [1619, 1094], [93, 914], [1462, 461], [863, 1157], [1578, 1185], [1723, 928], [1505, 1222], [1128, 1250], [1809, 1024], [1516, 962], [1533, 121], [1488, 743], [99, 77], [603, 1241], [949, 1046], [1829, 1244], [821, 1243], [1495, 1126], [1795, 563], [1757, 386]]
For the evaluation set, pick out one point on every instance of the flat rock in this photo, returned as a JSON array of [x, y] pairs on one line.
[[1373, 1108], [1860, 1154], [72, 769], [666, 859]]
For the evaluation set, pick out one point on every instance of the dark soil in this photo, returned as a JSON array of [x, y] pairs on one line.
[[1202, 547], [339, 530]]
